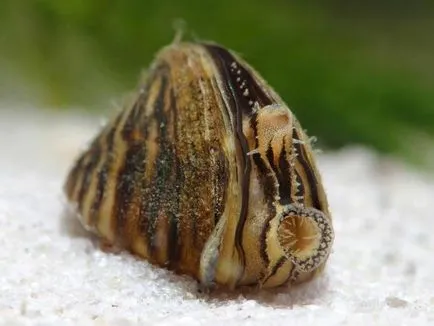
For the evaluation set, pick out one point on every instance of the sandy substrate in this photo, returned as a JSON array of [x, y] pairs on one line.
[[51, 272]]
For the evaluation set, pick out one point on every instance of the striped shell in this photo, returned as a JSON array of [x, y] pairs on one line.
[[207, 173]]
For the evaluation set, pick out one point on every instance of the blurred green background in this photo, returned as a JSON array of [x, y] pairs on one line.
[[354, 72]]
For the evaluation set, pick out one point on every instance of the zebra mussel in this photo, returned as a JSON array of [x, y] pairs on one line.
[[208, 173]]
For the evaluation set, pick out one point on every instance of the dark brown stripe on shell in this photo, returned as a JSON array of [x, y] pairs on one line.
[[284, 177], [103, 172], [128, 180], [267, 183], [130, 131], [166, 181], [311, 178], [163, 162], [145, 190], [275, 268], [282, 173], [88, 171], [173, 247], [74, 177], [149, 199]]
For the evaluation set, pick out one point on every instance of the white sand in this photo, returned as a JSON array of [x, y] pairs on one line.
[[51, 273]]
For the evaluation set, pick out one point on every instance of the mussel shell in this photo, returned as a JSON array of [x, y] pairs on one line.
[[193, 173]]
